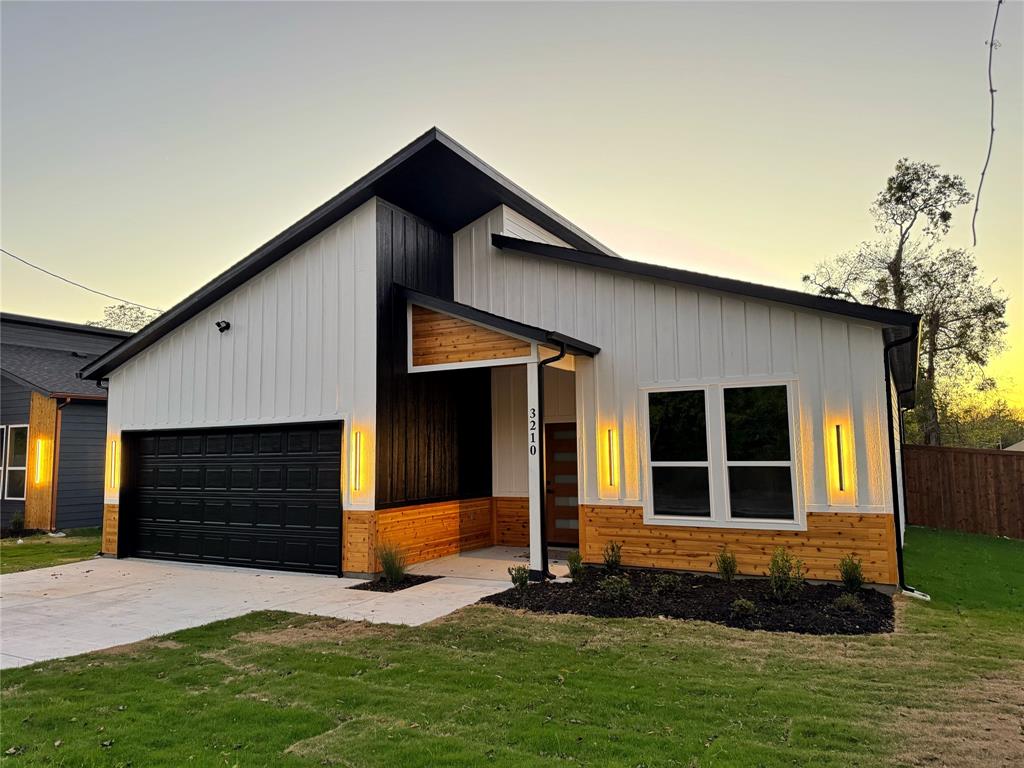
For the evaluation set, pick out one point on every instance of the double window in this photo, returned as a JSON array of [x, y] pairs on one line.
[[720, 455], [15, 453]]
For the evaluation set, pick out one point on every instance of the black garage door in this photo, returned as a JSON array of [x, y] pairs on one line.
[[267, 497]]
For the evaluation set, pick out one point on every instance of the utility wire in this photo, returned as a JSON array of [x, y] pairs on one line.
[[78, 285], [992, 45]]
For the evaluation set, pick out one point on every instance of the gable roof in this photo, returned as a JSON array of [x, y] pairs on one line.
[[63, 325], [435, 177], [480, 317]]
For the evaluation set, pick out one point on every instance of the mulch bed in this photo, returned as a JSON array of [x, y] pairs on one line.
[[708, 598], [410, 580]]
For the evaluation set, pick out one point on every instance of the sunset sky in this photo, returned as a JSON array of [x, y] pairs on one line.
[[147, 147]]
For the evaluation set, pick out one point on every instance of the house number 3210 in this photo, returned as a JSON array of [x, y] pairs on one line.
[[533, 431]]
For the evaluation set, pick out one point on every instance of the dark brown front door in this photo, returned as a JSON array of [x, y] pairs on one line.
[[562, 503]]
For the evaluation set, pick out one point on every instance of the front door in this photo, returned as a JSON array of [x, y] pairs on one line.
[[562, 503]]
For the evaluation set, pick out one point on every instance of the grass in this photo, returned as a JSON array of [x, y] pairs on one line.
[[41, 551], [488, 686]]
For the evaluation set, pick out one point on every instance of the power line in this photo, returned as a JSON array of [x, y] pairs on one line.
[[78, 285]]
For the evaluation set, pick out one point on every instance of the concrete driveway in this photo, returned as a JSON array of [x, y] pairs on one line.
[[93, 604]]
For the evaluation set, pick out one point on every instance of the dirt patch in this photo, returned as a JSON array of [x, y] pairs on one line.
[[980, 724], [134, 649], [317, 631], [409, 580], [653, 594]]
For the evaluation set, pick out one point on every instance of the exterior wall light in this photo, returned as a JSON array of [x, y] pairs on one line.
[[841, 474], [357, 460], [114, 465], [39, 461], [612, 439]]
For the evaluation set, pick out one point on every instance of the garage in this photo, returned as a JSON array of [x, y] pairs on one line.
[[263, 497]]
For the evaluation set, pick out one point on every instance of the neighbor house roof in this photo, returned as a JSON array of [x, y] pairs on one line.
[[434, 176], [474, 315], [45, 322], [51, 371]]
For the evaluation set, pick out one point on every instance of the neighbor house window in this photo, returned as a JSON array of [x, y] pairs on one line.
[[721, 455], [16, 462]]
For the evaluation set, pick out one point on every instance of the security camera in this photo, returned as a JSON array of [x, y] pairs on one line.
[[222, 325]]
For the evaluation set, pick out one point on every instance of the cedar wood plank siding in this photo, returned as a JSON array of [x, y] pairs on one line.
[[438, 339], [433, 433]]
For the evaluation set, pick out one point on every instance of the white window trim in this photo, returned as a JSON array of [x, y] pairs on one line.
[[7, 467], [3, 457], [718, 463]]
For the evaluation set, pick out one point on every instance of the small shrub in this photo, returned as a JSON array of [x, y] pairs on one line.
[[520, 576], [17, 525], [612, 555], [616, 588], [743, 608], [848, 603], [576, 569], [851, 572], [392, 563], [726, 563], [785, 575], [664, 583]]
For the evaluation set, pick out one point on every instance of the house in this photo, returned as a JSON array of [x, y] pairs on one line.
[[1018, 446], [52, 424], [435, 359]]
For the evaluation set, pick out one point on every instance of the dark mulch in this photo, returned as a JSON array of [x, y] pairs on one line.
[[708, 598], [410, 580]]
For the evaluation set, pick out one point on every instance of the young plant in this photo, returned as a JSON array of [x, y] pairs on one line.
[[392, 563], [613, 555], [664, 584], [725, 561], [742, 608], [520, 576], [576, 569], [618, 589], [851, 572], [848, 603], [17, 525], [785, 575]]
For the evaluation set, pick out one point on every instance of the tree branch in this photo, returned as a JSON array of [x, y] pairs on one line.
[[992, 44]]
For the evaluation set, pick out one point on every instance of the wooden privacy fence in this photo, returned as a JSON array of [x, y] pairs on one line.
[[965, 489]]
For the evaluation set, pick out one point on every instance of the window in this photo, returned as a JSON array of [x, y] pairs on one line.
[[3, 456], [757, 453], [16, 461], [739, 472], [679, 453]]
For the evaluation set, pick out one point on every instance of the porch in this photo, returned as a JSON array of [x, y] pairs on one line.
[[491, 563]]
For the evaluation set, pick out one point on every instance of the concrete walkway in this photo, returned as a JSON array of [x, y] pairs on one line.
[[50, 613]]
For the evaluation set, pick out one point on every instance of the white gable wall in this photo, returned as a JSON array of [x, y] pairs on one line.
[[301, 347], [659, 334]]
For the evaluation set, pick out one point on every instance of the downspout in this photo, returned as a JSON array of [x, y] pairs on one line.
[[893, 469], [543, 460]]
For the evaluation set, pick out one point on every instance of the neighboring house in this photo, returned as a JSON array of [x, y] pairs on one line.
[[435, 359], [1015, 447], [53, 423]]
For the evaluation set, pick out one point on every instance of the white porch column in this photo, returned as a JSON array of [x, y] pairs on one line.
[[533, 463]]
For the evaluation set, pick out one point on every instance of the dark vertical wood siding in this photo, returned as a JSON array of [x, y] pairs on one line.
[[80, 464], [433, 429], [965, 489], [14, 403]]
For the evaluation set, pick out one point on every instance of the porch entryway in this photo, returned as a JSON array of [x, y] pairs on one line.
[[491, 563]]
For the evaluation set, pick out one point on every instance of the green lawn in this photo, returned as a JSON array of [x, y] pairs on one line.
[[41, 551], [492, 687]]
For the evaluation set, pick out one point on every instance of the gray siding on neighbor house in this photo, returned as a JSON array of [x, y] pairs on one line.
[[83, 427], [85, 342], [14, 402]]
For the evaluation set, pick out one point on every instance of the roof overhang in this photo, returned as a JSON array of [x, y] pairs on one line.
[[434, 177], [476, 316], [894, 322]]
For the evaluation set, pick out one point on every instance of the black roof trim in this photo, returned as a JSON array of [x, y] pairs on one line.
[[44, 322], [479, 316], [711, 282], [381, 179]]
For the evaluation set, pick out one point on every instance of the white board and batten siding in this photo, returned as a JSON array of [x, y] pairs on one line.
[[301, 348], [657, 334]]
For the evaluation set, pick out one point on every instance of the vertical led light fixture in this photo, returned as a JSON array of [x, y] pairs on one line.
[[357, 460], [113, 464], [839, 457], [612, 457], [39, 460]]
